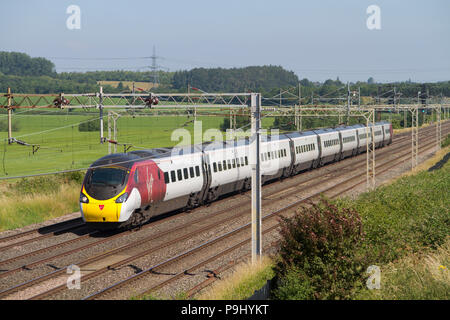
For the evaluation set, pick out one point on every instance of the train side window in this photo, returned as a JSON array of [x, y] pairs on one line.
[[186, 175], [166, 177], [220, 165], [242, 161], [224, 164], [237, 162], [197, 171], [246, 161], [191, 171], [215, 167], [233, 162], [229, 164], [179, 175], [172, 176]]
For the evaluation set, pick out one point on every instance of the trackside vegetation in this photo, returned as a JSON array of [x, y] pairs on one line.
[[324, 255], [33, 200], [402, 227]]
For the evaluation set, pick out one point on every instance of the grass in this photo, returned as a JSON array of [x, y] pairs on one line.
[[67, 148], [35, 200], [408, 215], [420, 276], [407, 227], [242, 283]]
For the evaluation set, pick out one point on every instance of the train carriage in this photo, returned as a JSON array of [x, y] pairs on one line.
[[128, 188], [305, 150], [349, 141], [329, 145]]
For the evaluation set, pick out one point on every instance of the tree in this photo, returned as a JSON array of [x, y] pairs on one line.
[[370, 80]]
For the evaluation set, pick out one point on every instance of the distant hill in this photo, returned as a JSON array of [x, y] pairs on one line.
[[128, 85], [235, 79], [21, 64]]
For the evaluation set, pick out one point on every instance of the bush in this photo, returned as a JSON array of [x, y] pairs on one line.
[[93, 125], [320, 249], [446, 141], [75, 176], [294, 285], [15, 126]]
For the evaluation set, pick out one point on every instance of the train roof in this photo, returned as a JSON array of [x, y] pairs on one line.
[[299, 134], [327, 130], [125, 160]]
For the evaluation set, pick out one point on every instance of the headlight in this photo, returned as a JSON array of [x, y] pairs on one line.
[[122, 198], [83, 198]]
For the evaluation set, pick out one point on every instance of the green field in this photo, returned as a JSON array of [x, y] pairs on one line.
[[63, 146]]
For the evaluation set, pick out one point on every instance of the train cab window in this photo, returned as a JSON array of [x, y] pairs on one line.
[[237, 162], [246, 161], [179, 175], [234, 163], [159, 175], [215, 167], [172, 176], [166, 177], [279, 153], [185, 172], [242, 161], [224, 162], [219, 164], [229, 164], [191, 171], [197, 171]]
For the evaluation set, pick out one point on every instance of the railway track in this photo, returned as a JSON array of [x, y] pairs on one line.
[[157, 268], [45, 232], [185, 237]]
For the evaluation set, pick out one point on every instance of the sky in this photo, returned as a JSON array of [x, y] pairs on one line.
[[318, 40]]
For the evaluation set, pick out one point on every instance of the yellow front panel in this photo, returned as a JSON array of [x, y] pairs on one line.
[[101, 210]]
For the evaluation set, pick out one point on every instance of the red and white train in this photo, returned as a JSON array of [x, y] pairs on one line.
[[129, 188]]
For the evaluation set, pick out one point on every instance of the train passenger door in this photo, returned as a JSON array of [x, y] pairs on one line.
[[206, 170]]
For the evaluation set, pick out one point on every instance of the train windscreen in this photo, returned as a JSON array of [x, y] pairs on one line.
[[105, 183]]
